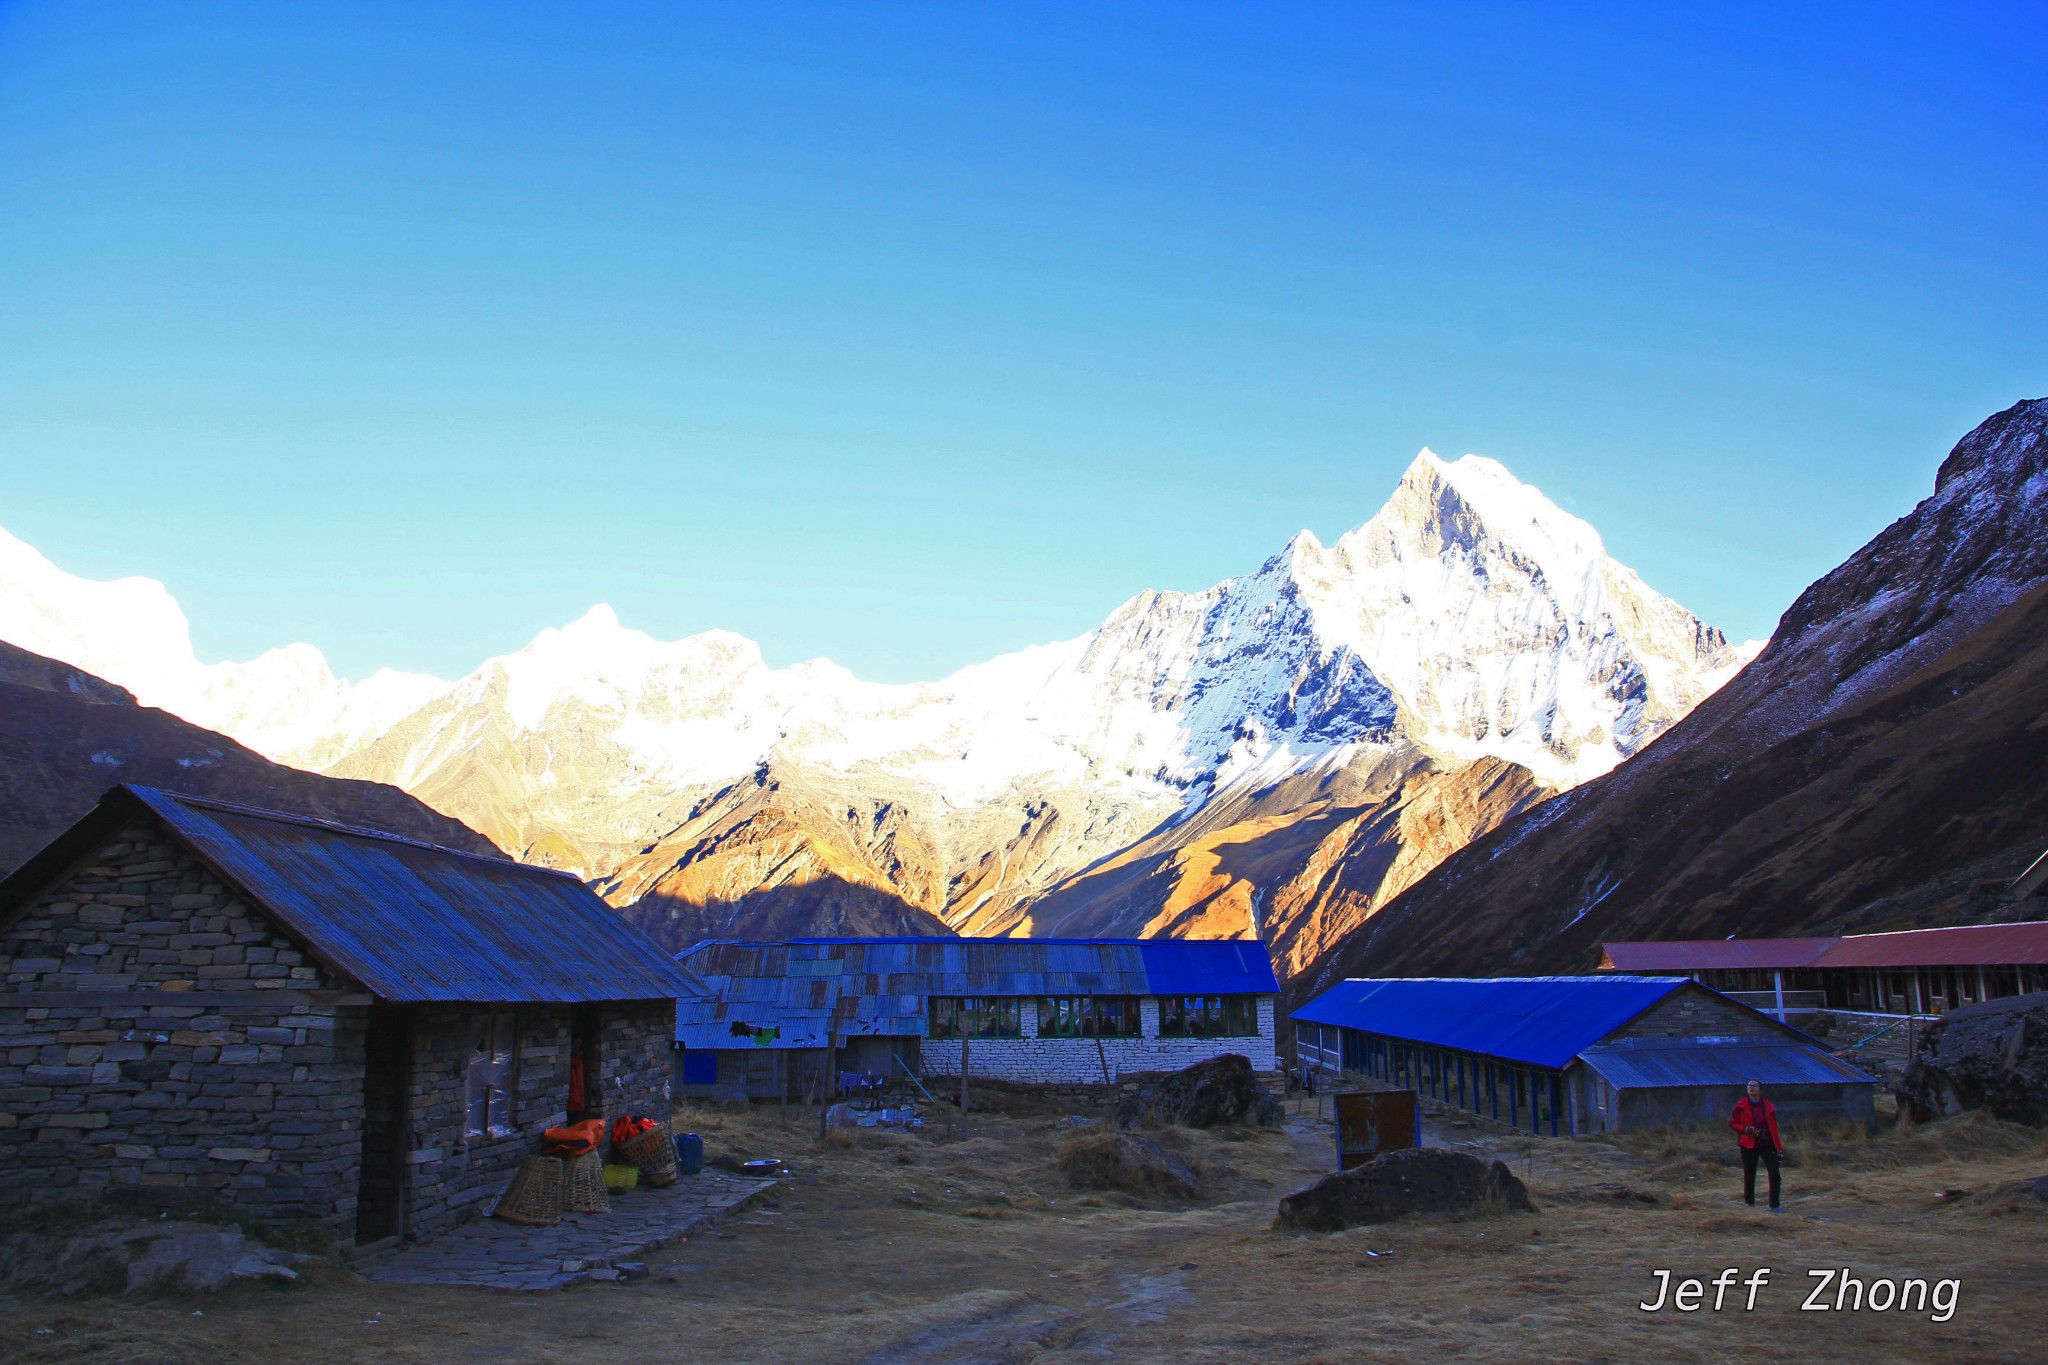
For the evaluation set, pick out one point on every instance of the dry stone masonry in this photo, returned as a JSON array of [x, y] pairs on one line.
[[164, 1042], [159, 1036]]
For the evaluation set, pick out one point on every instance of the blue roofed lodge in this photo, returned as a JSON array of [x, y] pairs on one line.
[[767, 1017], [1570, 1055]]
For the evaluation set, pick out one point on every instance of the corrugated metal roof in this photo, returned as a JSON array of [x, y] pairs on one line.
[[1712, 954], [1677, 1062], [879, 986], [1541, 1020], [1963, 945], [412, 922]]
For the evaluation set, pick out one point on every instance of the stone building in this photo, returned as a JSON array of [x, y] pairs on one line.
[[1572, 1054], [303, 1021], [768, 1018]]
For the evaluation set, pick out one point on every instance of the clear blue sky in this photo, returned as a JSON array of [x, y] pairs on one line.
[[907, 335]]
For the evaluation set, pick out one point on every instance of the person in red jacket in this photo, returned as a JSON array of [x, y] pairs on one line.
[[1755, 1122]]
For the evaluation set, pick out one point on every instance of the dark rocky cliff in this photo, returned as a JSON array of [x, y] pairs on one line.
[[66, 736], [1879, 765]]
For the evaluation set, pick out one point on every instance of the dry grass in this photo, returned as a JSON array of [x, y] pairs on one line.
[[927, 1248]]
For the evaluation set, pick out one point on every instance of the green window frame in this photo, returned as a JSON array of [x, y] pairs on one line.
[[1089, 1016], [973, 1016], [1208, 1016]]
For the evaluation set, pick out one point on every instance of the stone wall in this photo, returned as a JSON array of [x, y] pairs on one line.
[[160, 1040], [639, 1058], [1076, 1061], [453, 1174], [1695, 1013], [163, 1041]]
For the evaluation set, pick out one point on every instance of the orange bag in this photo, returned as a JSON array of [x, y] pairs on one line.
[[627, 1127], [573, 1140]]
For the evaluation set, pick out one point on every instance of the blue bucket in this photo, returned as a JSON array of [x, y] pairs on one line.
[[689, 1153]]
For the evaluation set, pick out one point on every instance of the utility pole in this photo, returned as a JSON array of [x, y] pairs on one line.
[[963, 1085]]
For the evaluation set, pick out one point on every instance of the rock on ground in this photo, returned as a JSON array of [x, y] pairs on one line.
[[1991, 1056], [1413, 1180], [122, 1254], [1221, 1090], [1128, 1162], [2014, 1196]]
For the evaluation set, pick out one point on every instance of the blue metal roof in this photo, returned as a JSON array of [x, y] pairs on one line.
[[1633, 1063], [879, 986], [1541, 1020], [412, 922]]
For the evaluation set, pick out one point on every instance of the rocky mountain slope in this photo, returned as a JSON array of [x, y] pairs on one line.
[[1323, 731], [1877, 766], [1278, 754], [66, 736]]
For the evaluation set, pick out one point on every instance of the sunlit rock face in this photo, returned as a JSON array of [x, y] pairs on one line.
[[1316, 733], [1877, 766]]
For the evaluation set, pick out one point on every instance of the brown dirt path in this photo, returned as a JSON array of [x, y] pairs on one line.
[[907, 1250]]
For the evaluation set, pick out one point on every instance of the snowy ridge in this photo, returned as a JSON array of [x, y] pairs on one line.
[[286, 704], [1470, 617]]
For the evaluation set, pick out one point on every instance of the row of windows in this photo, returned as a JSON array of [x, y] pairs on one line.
[[1094, 1016], [1525, 1097], [974, 1016], [1088, 1016], [1208, 1016]]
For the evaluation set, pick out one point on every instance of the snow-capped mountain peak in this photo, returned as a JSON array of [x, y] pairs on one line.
[[285, 704], [1469, 618]]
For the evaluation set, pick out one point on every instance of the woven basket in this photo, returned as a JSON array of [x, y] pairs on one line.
[[535, 1195], [584, 1176], [654, 1152]]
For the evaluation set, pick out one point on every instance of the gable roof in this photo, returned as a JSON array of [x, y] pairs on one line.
[[1712, 954], [1652, 1063], [1961, 945], [1541, 1020], [409, 921], [820, 991], [1958, 945]]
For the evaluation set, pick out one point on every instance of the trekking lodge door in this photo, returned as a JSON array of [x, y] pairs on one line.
[[387, 1123]]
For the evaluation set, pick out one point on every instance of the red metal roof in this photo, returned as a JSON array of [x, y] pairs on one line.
[[1712, 954], [1964, 945]]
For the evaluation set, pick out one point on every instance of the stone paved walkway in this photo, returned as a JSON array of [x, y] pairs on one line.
[[492, 1254]]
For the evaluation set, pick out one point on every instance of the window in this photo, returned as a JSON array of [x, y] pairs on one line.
[[974, 1016], [1088, 1016], [1208, 1016], [492, 1075]]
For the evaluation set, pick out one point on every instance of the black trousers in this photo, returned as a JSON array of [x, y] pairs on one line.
[[1750, 1156]]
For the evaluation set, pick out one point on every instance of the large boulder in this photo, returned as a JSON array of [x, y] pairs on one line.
[[1413, 1180], [1128, 1162], [1991, 1056], [1221, 1090]]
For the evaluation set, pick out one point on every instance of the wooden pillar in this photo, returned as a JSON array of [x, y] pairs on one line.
[[1778, 990]]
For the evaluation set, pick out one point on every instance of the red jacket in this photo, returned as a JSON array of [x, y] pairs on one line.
[[1762, 1115]]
